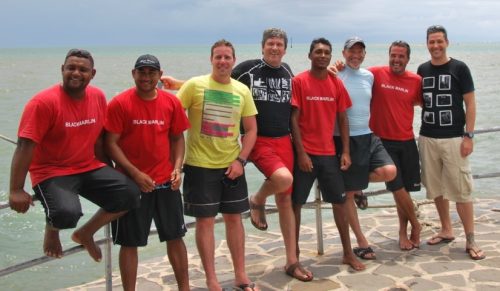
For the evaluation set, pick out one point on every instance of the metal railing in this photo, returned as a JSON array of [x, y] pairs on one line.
[[317, 204]]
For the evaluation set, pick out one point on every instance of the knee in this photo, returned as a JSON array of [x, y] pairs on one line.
[[283, 179], [66, 217], [389, 173]]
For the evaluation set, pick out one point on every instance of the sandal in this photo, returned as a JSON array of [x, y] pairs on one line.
[[474, 253], [364, 253], [361, 200], [290, 271], [243, 286], [261, 209]]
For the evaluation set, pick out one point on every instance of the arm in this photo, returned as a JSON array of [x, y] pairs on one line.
[[304, 161], [171, 83], [345, 159], [177, 148], [250, 126], [470, 119], [99, 150], [335, 68], [118, 156], [19, 199]]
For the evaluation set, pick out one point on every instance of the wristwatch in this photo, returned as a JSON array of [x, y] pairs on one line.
[[469, 134], [242, 161]]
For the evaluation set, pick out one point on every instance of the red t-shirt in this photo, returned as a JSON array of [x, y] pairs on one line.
[[393, 99], [318, 102], [145, 127], [65, 131]]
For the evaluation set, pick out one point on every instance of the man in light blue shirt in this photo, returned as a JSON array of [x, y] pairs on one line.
[[370, 160]]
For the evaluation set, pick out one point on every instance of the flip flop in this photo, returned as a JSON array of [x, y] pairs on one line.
[[243, 286], [474, 254], [364, 253], [262, 215], [361, 200], [435, 240], [290, 271]]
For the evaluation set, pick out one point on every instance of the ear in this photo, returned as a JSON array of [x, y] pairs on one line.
[[93, 73]]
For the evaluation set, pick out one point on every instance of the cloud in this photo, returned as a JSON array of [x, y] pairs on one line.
[[149, 22]]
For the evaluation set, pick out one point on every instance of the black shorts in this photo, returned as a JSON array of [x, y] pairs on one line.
[[367, 154], [164, 206], [106, 187], [208, 192], [406, 158], [327, 170]]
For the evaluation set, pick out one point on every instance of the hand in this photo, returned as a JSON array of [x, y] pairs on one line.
[[145, 183], [175, 179], [234, 170], [466, 147], [20, 201], [345, 161], [335, 68], [305, 163], [171, 83]]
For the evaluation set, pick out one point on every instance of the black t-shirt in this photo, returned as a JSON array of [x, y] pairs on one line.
[[443, 87], [271, 89]]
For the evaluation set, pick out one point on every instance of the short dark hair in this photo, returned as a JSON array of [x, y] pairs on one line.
[[274, 32], [321, 40], [437, 28], [222, 42], [80, 53], [401, 43]]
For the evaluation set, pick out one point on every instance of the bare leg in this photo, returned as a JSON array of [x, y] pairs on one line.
[[205, 242], [235, 236], [466, 212], [85, 234], [177, 255], [352, 218], [51, 243], [297, 209], [383, 174], [443, 209], [279, 182], [287, 225], [339, 214], [128, 267], [407, 212]]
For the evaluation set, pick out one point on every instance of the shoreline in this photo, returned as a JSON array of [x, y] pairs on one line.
[[439, 267]]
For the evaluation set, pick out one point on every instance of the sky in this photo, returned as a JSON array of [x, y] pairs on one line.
[[63, 23]]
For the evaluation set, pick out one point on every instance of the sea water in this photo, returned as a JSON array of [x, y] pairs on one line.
[[25, 71]]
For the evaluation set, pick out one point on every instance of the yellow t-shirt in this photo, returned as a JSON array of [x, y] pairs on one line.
[[214, 111]]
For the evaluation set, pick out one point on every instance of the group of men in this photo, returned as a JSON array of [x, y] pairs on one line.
[[68, 137]]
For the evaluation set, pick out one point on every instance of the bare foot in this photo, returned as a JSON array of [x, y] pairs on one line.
[[87, 241], [353, 262], [415, 235], [51, 243], [405, 244], [213, 286]]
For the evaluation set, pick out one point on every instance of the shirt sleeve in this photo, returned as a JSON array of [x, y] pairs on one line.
[[36, 120]]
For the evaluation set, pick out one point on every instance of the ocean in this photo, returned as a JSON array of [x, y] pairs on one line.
[[25, 71]]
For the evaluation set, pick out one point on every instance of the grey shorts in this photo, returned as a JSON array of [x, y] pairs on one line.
[[367, 154], [327, 170], [208, 192]]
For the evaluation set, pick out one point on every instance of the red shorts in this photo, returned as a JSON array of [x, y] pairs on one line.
[[271, 153]]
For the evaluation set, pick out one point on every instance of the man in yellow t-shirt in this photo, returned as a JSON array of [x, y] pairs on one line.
[[214, 165]]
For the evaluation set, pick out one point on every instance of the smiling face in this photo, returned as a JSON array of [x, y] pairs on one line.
[[146, 79], [398, 59], [320, 56], [273, 51], [437, 44], [76, 75], [222, 60], [354, 56]]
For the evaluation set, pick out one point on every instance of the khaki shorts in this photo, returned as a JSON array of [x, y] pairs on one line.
[[444, 171]]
